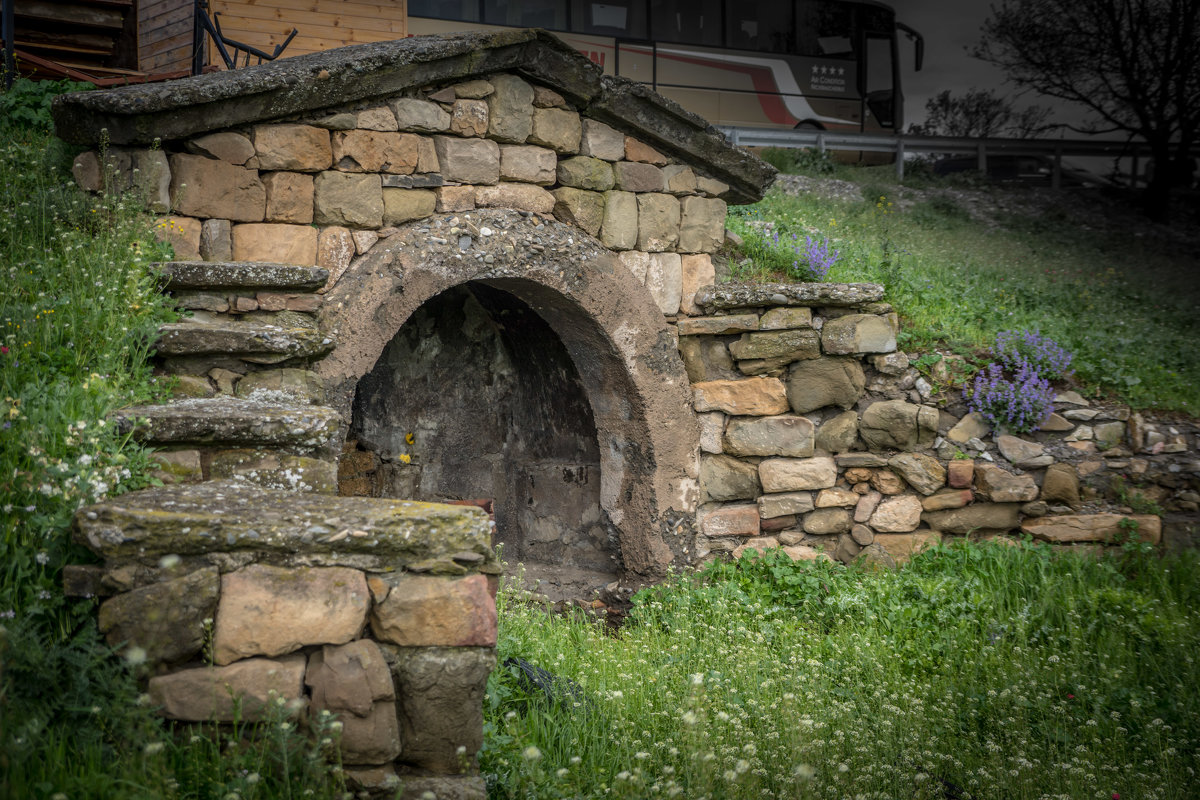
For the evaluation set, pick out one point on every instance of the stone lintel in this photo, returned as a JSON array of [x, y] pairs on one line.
[[841, 295]]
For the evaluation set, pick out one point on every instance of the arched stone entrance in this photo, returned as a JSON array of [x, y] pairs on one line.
[[584, 330]]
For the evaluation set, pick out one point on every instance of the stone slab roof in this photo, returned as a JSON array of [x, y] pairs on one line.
[[137, 115]]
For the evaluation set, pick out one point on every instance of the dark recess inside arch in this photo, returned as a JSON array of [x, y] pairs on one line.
[[497, 410]]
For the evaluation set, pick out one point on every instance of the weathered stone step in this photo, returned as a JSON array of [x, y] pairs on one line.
[[241, 275], [255, 342], [231, 421], [714, 298], [227, 516], [1104, 528]]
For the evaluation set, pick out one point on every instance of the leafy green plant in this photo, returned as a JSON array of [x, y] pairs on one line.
[[25, 106], [803, 160]]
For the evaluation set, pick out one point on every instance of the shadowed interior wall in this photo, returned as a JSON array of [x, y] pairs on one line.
[[495, 409]]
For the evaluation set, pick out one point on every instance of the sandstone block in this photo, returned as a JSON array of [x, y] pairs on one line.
[[784, 435], [183, 234], [897, 424], [354, 682], [441, 707], [427, 159], [355, 201], [750, 397], [998, 486], [664, 279], [298, 148], [413, 114], [182, 466], [379, 118], [528, 163], [866, 506], [924, 473], [698, 271], [733, 323], [784, 504], [619, 226], [827, 521], [510, 109], [273, 470], [633, 177], [335, 249], [1095, 528], [680, 179], [468, 160], [547, 98], [704, 358], [288, 385], [469, 118], [637, 262], [712, 428], [226, 146], [897, 515], [601, 141], [971, 426], [205, 187], [947, 498], [658, 222], [585, 172], [738, 520], [836, 498], [977, 516], [151, 179], [556, 128], [584, 210], [702, 225], [404, 205], [838, 434], [520, 196], [216, 243], [430, 611], [472, 90], [797, 474], [1019, 451], [792, 345], [903, 546], [88, 173], [759, 544], [275, 243], [1061, 485], [289, 197], [240, 691], [887, 482], [165, 619], [375, 151], [782, 318], [723, 478], [960, 473], [637, 150], [454, 198], [820, 382], [858, 333], [364, 240], [271, 611]]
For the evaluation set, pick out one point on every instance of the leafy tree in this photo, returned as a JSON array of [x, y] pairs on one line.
[[1134, 64], [980, 113]]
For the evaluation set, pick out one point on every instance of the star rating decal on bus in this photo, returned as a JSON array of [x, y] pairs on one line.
[[828, 70]]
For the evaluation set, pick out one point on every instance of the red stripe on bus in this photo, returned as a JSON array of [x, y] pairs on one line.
[[760, 77]]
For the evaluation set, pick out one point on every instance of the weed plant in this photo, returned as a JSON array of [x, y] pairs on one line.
[[78, 316], [1124, 307], [979, 671]]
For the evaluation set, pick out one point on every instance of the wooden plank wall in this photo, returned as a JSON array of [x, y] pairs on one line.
[[322, 24], [164, 35]]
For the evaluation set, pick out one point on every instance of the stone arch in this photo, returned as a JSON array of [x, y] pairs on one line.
[[615, 335]]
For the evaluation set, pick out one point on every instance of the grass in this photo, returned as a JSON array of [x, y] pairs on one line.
[[78, 315], [979, 671], [1123, 304]]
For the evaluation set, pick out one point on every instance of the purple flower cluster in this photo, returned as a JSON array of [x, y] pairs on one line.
[[813, 260], [1046, 356], [1017, 404]]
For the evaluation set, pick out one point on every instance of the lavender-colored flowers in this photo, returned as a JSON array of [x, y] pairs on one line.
[[1017, 404], [1046, 356], [814, 259]]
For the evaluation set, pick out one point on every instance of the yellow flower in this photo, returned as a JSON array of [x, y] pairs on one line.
[[409, 438], [405, 458]]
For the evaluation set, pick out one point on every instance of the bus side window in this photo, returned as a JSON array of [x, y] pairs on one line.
[[464, 10], [686, 21], [621, 18], [525, 13], [759, 25]]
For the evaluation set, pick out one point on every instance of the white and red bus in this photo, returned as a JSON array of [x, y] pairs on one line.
[[827, 64]]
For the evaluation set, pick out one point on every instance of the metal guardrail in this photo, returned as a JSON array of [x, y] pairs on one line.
[[906, 143]]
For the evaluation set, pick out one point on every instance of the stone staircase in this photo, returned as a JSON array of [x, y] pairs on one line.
[[248, 407]]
